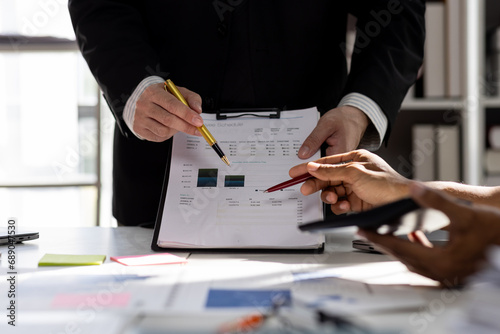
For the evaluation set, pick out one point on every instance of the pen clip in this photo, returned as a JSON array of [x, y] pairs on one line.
[[242, 112]]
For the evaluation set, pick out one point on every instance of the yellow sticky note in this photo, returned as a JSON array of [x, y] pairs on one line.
[[71, 260]]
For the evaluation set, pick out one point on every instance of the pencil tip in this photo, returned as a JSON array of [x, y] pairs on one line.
[[265, 191]]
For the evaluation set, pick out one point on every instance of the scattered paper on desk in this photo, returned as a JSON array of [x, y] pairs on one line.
[[220, 298], [148, 259], [70, 260], [348, 296], [479, 304], [70, 288]]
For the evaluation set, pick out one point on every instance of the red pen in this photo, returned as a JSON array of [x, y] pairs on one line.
[[295, 180], [289, 183]]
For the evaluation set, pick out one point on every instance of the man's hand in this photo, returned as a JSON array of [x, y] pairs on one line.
[[341, 128], [365, 181], [159, 115], [472, 230]]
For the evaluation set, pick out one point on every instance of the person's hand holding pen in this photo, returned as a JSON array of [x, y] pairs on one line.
[[159, 114], [365, 181], [177, 122]]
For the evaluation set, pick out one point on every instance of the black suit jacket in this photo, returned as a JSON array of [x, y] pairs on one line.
[[240, 53]]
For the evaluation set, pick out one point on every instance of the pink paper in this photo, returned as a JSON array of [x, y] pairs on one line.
[[149, 259], [69, 300]]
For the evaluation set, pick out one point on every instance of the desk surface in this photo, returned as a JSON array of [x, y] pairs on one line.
[[174, 294]]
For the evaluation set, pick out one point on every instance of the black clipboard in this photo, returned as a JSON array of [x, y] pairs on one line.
[[271, 113], [222, 114]]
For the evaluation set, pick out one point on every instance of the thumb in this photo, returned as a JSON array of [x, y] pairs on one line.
[[313, 142]]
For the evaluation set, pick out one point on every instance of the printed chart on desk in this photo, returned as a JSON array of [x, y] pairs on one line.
[[227, 206]]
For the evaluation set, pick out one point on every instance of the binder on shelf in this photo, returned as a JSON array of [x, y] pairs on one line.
[[423, 152], [454, 48], [434, 53], [492, 71], [494, 137], [448, 153], [436, 152], [492, 162], [496, 63], [206, 205], [492, 180]]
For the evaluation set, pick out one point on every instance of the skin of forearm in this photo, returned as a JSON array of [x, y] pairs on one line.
[[475, 194]]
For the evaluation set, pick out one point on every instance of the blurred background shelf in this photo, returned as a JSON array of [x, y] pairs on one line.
[[457, 93], [20, 43], [431, 104]]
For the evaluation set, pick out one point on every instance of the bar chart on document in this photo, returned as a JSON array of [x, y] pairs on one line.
[[239, 189], [207, 195]]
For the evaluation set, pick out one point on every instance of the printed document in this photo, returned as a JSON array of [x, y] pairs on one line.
[[211, 205]]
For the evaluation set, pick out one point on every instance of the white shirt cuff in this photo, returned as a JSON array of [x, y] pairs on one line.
[[129, 111], [374, 135]]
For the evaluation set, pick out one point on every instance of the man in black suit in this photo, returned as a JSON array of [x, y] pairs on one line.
[[242, 53]]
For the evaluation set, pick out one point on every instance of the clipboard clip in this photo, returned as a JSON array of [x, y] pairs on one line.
[[242, 112]]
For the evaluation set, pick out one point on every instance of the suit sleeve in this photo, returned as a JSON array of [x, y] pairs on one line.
[[114, 40], [388, 51]]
